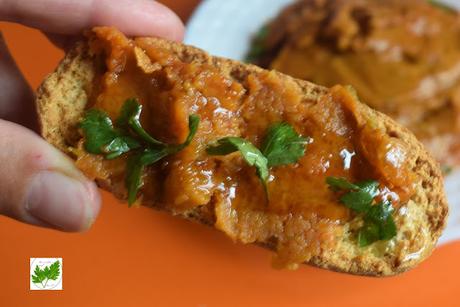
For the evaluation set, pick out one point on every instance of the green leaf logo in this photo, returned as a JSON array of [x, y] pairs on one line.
[[42, 275]]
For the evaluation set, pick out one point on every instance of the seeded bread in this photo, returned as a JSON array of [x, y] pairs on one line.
[[62, 98]]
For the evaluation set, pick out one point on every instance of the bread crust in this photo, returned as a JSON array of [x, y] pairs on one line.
[[62, 98]]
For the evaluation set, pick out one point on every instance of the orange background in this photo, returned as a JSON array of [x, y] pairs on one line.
[[139, 257]]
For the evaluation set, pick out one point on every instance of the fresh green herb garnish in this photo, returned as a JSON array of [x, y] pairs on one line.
[[258, 45], [50, 272], [442, 5], [282, 145], [135, 168], [337, 184], [378, 220], [360, 199], [130, 116], [101, 137], [378, 224], [139, 161], [250, 153]]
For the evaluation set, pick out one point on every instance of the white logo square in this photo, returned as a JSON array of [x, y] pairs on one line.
[[45, 274]]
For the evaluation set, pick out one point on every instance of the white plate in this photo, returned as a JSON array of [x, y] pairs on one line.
[[225, 28]]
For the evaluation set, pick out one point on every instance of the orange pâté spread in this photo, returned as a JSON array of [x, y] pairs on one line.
[[303, 216]]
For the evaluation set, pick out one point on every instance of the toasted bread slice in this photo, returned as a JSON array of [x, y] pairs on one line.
[[64, 95]]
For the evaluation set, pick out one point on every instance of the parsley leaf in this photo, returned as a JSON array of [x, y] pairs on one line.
[[101, 137], [98, 130], [378, 220], [130, 116], [370, 186], [283, 145], [119, 146], [54, 270], [138, 162], [368, 234], [193, 123], [361, 198], [135, 168], [382, 215], [378, 224], [250, 153], [50, 272], [39, 275], [358, 201], [337, 184]]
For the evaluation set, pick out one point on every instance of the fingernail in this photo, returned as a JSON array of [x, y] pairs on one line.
[[61, 201]]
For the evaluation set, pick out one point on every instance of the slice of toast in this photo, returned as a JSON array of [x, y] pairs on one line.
[[64, 96]]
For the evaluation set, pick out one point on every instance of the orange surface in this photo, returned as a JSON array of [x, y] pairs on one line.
[[139, 257]]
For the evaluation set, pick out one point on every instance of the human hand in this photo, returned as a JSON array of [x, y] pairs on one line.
[[38, 184]]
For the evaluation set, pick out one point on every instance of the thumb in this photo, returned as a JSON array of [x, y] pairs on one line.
[[39, 185]]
